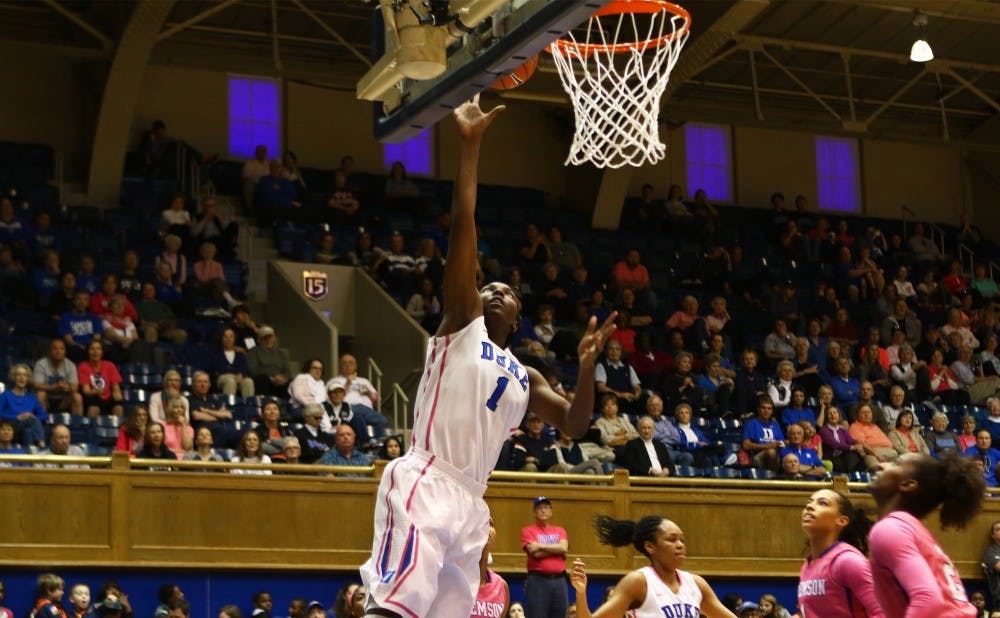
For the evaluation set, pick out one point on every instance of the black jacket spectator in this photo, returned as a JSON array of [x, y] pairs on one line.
[[636, 457]]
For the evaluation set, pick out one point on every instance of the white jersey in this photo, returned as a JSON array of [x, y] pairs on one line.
[[662, 602], [472, 395]]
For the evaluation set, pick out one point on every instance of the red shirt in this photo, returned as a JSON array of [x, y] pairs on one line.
[[633, 278], [99, 306], [549, 535], [104, 378]]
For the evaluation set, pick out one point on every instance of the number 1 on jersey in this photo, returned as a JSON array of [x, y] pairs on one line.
[[494, 399]]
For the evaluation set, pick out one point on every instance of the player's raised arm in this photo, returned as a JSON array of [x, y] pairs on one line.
[[462, 303]]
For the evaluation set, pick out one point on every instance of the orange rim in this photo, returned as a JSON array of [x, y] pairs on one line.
[[621, 7]]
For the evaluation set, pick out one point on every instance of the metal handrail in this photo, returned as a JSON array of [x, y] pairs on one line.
[[375, 377], [399, 398], [906, 210], [937, 235], [993, 267], [965, 251]]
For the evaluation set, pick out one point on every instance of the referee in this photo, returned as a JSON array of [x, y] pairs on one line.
[[546, 546]]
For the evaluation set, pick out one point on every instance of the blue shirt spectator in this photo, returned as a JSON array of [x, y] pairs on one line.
[[79, 327], [990, 456]]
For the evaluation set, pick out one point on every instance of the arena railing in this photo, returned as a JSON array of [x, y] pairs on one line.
[[375, 377]]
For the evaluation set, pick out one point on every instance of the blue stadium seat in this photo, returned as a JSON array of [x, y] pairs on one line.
[[756, 474], [687, 472], [720, 472], [860, 477]]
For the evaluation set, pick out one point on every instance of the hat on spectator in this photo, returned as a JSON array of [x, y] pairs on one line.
[[542, 500], [748, 605], [336, 383], [313, 604], [265, 331], [110, 605]]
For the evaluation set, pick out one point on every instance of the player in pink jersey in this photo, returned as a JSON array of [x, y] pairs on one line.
[[494, 595], [913, 576], [430, 516], [836, 579], [660, 590]]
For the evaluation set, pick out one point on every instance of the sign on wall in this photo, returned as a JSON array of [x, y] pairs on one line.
[[315, 284]]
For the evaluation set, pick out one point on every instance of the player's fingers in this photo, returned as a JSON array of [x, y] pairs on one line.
[[493, 113], [475, 99], [591, 325], [609, 324]]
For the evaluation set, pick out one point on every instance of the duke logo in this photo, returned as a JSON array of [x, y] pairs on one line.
[[314, 284]]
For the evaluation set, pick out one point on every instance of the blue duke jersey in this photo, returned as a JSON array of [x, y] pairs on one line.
[[662, 602], [472, 395]]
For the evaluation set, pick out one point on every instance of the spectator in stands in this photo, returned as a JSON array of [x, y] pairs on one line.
[[360, 390], [398, 187], [676, 210], [246, 329], [157, 319], [866, 394], [130, 279], [991, 456], [806, 366], [48, 597], [940, 440], [176, 219], [846, 387], [230, 368], [13, 228], [290, 170], [365, 254], [762, 436], [425, 306], [749, 384], [100, 302], [168, 291], [911, 374], [613, 377], [100, 383], [706, 212], [355, 415], [428, 263], [565, 254], [55, 381], [967, 435], [534, 451], [343, 452], [872, 370], [19, 404], [956, 283], [326, 252], [797, 410], [46, 279], [79, 327], [901, 319], [644, 456], [842, 328], [922, 248], [253, 170], [568, 451], [872, 279], [779, 344], [178, 434], [314, 440], [717, 387], [210, 227], [944, 385], [615, 430], [904, 288], [119, 331], [210, 278], [87, 278], [205, 407], [291, 452], [397, 267], [392, 448], [956, 324], [694, 441], [250, 451], [682, 385], [308, 386], [171, 390], [839, 446], [61, 300], [666, 432], [13, 278], [877, 447], [630, 273], [132, 432], [808, 459], [983, 283], [895, 406], [232, 611], [905, 437], [647, 208], [153, 446], [271, 430], [172, 255], [60, 444], [971, 378], [269, 364], [780, 389], [8, 447], [343, 204], [42, 237]]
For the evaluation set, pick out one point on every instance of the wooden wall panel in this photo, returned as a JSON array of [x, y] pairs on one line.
[[123, 517]]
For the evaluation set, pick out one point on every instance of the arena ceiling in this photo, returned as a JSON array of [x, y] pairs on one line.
[[818, 65]]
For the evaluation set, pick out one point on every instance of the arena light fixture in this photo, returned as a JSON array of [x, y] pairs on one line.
[[921, 50]]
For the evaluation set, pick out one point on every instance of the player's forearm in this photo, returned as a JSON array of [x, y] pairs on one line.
[[582, 407]]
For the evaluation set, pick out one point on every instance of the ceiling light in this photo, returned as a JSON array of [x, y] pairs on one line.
[[921, 50]]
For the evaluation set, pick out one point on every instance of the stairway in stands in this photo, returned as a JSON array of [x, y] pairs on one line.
[[256, 248]]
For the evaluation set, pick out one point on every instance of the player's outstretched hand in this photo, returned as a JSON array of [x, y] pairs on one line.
[[578, 577], [592, 343], [472, 121]]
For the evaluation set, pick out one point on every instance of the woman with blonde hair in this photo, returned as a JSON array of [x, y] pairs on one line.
[[171, 390]]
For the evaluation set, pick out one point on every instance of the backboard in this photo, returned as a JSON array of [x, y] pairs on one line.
[[502, 35]]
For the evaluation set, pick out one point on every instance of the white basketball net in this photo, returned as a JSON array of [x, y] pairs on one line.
[[616, 92]]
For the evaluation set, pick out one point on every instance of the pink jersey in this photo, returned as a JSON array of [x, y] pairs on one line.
[[913, 576], [491, 602], [838, 584], [472, 395]]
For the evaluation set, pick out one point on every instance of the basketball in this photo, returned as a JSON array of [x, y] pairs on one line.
[[518, 76]]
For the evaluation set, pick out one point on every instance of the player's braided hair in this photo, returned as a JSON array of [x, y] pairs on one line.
[[622, 532], [953, 482], [855, 533]]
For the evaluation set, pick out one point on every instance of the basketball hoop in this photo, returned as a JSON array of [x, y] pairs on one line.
[[615, 69]]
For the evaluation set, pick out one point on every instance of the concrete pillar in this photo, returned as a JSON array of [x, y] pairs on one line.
[[121, 94], [611, 197]]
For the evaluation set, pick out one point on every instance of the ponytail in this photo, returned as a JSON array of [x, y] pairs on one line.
[[953, 482], [622, 532], [855, 533]]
